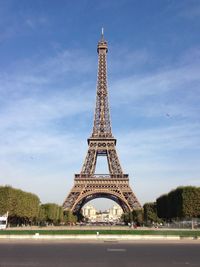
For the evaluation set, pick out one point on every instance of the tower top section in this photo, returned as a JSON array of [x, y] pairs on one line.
[[102, 123], [102, 46]]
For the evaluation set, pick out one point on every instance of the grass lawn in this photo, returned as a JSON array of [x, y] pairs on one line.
[[184, 233]]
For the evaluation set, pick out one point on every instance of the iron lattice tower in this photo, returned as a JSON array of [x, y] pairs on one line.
[[87, 184]]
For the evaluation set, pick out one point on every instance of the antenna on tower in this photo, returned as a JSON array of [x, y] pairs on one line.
[[102, 33]]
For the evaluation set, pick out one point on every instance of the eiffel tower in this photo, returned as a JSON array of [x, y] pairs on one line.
[[87, 184]]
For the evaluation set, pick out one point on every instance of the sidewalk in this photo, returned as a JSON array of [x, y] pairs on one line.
[[97, 237]]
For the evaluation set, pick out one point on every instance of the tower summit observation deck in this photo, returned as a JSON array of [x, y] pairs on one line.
[[115, 184]]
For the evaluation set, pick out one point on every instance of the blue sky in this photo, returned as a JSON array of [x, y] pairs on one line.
[[48, 71]]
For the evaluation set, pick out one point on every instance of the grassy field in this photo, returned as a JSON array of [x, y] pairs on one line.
[[183, 233]]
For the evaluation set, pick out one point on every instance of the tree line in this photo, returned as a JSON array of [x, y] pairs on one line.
[[180, 203], [183, 202], [26, 209]]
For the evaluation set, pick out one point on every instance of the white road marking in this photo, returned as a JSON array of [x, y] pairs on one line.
[[116, 249], [29, 264]]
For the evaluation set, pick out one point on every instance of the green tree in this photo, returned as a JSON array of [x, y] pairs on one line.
[[126, 218], [23, 207], [180, 203], [69, 217], [135, 216], [50, 213], [162, 207], [150, 212], [138, 216]]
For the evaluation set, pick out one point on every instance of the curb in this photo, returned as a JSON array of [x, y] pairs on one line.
[[37, 236]]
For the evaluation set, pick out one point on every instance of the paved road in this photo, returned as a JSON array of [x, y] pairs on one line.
[[62, 254]]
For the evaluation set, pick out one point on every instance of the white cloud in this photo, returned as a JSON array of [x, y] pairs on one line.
[[36, 22], [122, 59], [171, 92], [160, 147], [174, 137], [159, 159], [40, 146], [189, 10], [156, 83]]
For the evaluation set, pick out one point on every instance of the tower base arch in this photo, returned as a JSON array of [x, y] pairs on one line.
[[116, 189]]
